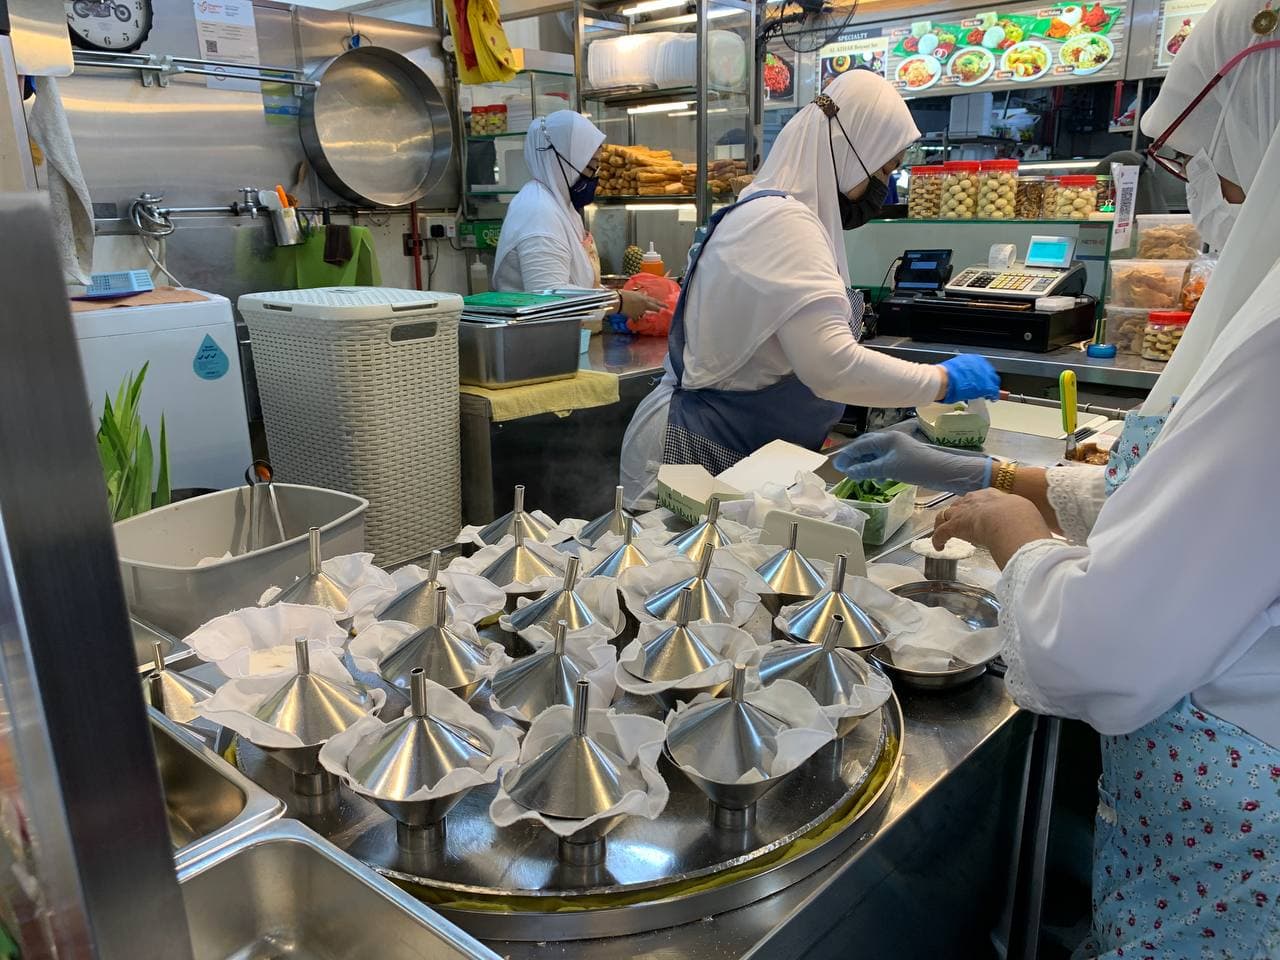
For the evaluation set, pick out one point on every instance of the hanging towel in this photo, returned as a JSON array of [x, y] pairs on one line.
[[304, 266], [59, 171], [338, 248]]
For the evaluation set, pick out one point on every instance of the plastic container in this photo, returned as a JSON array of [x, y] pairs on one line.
[[885, 519], [924, 202], [1050, 197], [997, 189], [652, 263], [479, 127], [1163, 332], [1197, 279], [1124, 327], [1029, 202], [497, 118], [1148, 284], [1167, 237], [478, 276], [1106, 194], [160, 549], [959, 190], [1075, 198]]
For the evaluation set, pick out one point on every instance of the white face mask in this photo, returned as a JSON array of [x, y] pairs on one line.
[[1213, 215]]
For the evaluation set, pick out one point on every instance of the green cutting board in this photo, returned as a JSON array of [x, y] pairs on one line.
[[510, 301]]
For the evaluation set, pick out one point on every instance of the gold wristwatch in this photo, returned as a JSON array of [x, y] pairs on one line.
[[1002, 479]]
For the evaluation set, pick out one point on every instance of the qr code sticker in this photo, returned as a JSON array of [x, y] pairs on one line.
[[211, 46]]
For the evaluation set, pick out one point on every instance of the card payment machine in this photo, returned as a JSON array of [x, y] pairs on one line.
[[922, 271]]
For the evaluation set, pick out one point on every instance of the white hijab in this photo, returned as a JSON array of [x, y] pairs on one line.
[[1239, 125], [761, 268], [542, 207]]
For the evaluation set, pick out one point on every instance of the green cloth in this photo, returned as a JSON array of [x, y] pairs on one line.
[[302, 267]]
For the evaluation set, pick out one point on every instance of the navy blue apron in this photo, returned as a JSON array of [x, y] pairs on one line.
[[717, 428]]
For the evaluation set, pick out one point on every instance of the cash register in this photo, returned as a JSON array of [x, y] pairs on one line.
[[998, 304]]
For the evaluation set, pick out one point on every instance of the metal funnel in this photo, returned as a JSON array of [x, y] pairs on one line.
[[417, 605], [506, 524], [617, 521], [311, 707], [678, 652], [789, 574], [708, 531], [315, 588], [445, 657], [171, 693], [543, 679], [575, 777], [715, 744], [556, 605], [707, 603], [627, 555], [519, 564], [409, 754], [810, 622], [827, 671]]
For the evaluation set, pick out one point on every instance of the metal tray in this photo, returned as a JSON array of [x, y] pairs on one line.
[[497, 355], [507, 883]]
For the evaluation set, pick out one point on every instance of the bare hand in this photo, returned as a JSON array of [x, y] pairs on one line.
[[636, 304], [988, 518]]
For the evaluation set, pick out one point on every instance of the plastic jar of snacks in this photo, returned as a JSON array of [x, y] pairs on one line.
[[959, 189], [498, 118], [478, 121], [1164, 330], [1106, 195], [924, 202], [1029, 202], [997, 189], [1075, 197]]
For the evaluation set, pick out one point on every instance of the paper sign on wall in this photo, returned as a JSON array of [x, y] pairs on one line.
[[226, 32], [1177, 19]]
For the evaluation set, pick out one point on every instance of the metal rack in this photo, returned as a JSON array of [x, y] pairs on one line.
[[156, 69]]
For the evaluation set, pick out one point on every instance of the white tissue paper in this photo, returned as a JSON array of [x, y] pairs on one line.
[[887, 576], [953, 549], [443, 705], [896, 615], [807, 497], [481, 560], [637, 739], [474, 598], [600, 594], [471, 534], [746, 558], [601, 658], [808, 728], [732, 644], [864, 699], [651, 542], [258, 641], [234, 703], [640, 583], [357, 575], [378, 640], [940, 637]]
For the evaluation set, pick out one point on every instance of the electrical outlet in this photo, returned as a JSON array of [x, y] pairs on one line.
[[439, 227], [409, 250]]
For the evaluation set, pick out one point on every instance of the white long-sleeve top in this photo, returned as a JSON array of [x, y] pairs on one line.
[[538, 262], [1172, 586]]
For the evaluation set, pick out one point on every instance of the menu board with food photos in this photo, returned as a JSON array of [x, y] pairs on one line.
[[778, 72], [1177, 19], [1008, 48], [860, 50]]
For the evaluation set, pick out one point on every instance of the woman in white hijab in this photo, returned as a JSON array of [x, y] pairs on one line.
[[544, 243], [1159, 621], [764, 344]]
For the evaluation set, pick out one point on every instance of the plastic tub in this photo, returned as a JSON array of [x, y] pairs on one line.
[[925, 199], [1075, 198], [885, 519], [997, 189], [1124, 327], [1163, 332], [1148, 284], [1029, 204], [159, 552], [1167, 237], [959, 190]]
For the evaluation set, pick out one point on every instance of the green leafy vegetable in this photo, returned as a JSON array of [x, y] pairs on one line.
[[867, 491], [127, 455]]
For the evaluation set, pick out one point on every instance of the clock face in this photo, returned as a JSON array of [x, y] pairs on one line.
[[108, 24]]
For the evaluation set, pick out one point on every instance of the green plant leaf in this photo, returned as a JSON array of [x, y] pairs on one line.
[[163, 492], [141, 478]]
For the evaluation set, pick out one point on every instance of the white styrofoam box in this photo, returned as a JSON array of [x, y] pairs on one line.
[[359, 393], [193, 379]]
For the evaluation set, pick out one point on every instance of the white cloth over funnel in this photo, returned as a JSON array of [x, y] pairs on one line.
[[640, 583], [731, 644], [600, 594], [358, 576], [473, 598], [599, 657], [481, 560], [258, 641], [378, 640]]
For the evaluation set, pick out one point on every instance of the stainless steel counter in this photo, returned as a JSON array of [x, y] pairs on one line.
[[625, 355], [1123, 371]]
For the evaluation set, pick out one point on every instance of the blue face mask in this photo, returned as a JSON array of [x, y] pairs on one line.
[[582, 192]]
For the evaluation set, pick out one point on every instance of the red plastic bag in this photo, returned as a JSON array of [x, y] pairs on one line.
[[655, 323]]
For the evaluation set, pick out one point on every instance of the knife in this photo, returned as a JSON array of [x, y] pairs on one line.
[[1067, 392]]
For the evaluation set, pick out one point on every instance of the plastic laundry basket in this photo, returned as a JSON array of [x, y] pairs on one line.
[[359, 390]]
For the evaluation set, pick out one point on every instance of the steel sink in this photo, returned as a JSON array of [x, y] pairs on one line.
[[285, 892], [208, 801]]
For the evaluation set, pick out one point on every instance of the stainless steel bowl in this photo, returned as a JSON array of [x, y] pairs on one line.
[[975, 606]]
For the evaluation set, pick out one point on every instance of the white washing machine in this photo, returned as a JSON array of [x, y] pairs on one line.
[[193, 378]]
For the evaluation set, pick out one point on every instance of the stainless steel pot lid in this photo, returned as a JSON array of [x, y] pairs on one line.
[[376, 129]]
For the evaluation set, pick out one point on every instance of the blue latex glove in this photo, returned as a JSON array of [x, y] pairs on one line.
[[970, 377], [891, 455]]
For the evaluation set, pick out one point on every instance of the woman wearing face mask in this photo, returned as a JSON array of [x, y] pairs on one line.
[[544, 243], [764, 343], [1159, 622]]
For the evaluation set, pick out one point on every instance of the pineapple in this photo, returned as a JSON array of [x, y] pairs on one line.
[[632, 260]]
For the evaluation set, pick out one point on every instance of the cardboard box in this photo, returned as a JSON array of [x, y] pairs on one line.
[[687, 489]]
